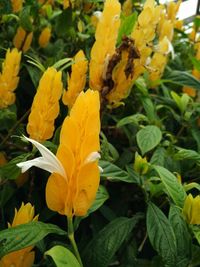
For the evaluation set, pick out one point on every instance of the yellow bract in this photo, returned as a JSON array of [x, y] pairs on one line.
[[16, 5], [104, 46], [24, 257], [9, 77], [79, 139], [77, 80], [66, 3], [45, 107], [191, 209], [44, 37], [22, 40]]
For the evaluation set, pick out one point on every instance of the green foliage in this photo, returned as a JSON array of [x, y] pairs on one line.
[[157, 120], [148, 138], [100, 251], [25, 235], [62, 257], [173, 187], [161, 235]]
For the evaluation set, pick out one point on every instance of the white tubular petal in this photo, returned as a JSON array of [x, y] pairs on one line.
[[98, 14], [100, 169], [47, 162], [171, 49], [92, 157]]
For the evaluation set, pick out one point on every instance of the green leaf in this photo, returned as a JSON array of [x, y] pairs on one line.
[[187, 154], [62, 257], [161, 235], [64, 24], [61, 62], [114, 173], [149, 108], [173, 187], [196, 232], [191, 186], [7, 119], [25, 19], [10, 170], [5, 7], [25, 235], [100, 251], [127, 23], [133, 119], [158, 157], [183, 238], [182, 78], [196, 63], [148, 138]]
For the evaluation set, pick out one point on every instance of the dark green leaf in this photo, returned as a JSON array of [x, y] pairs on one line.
[[161, 235], [25, 19], [182, 78], [106, 243], [133, 119], [114, 173], [183, 238], [10, 170], [25, 235], [7, 119], [173, 187]]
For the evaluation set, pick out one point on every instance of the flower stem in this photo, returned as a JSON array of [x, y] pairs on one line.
[[72, 240]]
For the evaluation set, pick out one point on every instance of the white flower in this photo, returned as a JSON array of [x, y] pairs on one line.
[[49, 162]]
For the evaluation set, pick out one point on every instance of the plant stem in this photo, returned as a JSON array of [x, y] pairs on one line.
[[15, 126], [72, 240]]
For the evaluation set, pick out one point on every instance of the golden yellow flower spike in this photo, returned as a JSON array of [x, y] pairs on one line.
[[104, 46], [77, 80], [191, 209], [24, 257], [79, 142], [44, 37], [22, 40], [45, 107], [16, 5], [9, 77]]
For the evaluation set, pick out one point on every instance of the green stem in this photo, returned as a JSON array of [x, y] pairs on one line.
[[72, 240]]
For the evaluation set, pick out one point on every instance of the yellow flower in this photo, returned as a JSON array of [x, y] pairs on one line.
[[66, 3], [27, 42], [16, 5], [189, 91], [79, 143], [76, 82], [178, 24], [127, 7], [72, 186], [172, 9], [22, 40], [45, 107], [191, 209], [104, 46], [24, 257], [9, 77], [157, 66], [140, 165], [44, 37]]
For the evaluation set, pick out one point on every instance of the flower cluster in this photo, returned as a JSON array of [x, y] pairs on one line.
[[45, 107], [9, 77], [24, 257]]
